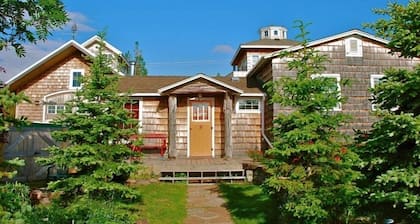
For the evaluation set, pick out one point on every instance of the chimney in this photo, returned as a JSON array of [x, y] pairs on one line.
[[132, 68]]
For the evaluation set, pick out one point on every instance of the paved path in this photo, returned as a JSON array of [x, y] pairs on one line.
[[205, 206]]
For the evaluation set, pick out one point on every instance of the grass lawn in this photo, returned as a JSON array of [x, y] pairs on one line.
[[164, 203], [248, 204]]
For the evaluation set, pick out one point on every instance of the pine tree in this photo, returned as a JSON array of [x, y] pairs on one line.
[[96, 153], [140, 67], [391, 149], [310, 167], [9, 100]]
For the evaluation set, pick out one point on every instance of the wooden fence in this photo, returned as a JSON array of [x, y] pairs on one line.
[[28, 144]]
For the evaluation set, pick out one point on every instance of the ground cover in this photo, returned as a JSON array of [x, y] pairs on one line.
[[248, 204], [163, 203]]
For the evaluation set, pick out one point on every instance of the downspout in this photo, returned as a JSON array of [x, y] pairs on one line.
[[263, 123]]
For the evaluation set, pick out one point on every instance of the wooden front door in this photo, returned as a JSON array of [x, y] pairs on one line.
[[200, 128]]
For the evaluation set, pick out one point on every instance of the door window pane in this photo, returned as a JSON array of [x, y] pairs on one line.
[[200, 111]]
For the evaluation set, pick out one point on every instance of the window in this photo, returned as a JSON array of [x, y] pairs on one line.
[[374, 81], [336, 77], [276, 32], [133, 108], [75, 78], [254, 61], [266, 33], [55, 109], [201, 111], [353, 47], [248, 105]]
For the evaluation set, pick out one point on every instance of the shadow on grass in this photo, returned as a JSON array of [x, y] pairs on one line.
[[248, 204]]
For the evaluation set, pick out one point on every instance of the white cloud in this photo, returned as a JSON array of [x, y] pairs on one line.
[[80, 20], [13, 64], [223, 48]]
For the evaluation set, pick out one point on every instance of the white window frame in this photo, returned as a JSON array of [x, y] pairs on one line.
[[55, 108], [374, 77], [72, 71], [349, 52], [242, 99], [338, 107]]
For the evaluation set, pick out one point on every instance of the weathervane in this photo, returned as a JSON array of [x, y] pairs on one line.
[[74, 30]]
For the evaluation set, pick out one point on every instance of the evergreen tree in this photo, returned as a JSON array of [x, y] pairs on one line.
[[96, 155], [310, 168], [391, 150], [140, 67]]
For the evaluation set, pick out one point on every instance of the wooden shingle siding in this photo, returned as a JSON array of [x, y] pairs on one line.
[[53, 80], [246, 132], [246, 127], [357, 71]]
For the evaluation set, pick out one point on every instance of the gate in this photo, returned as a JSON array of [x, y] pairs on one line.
[[28, 143]]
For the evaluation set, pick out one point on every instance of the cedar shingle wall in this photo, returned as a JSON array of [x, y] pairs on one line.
[[375, 60], [246, 133], [246, 128], [53, 80]]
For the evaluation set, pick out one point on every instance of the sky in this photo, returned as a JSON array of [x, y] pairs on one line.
[[186, 37]]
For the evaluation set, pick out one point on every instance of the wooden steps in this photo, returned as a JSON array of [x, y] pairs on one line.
[[203, 177]]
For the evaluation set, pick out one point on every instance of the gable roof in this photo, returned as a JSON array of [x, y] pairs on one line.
[[97, 39], [353, 32], [196, 77], [153, 85], [60, 52], [335, 37], [263, 44]]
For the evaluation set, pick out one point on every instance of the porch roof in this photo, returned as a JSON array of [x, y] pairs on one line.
[[150, 85]]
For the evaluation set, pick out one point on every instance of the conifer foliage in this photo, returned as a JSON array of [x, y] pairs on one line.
[[391, 149], [96, 154], [310, 168]]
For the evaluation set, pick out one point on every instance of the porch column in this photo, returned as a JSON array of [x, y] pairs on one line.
[[172, 126], [227, 109]]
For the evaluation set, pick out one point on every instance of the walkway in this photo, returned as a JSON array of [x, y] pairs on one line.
[[205, 205]]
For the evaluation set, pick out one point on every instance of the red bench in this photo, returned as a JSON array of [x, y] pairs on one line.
[[150, 141]]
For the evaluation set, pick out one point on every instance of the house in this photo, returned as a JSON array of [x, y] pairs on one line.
[[204, 116], [201, 116], [354, 56], [53, 80]]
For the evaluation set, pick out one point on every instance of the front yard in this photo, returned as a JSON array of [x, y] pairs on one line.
[[247, 204], [163, 203], [166, 203]]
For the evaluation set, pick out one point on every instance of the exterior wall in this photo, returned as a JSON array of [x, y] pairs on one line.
[[246, 127], [357, 70], [55, 79], [246, 133]]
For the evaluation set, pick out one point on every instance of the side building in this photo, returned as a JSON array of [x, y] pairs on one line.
[[355, 57]]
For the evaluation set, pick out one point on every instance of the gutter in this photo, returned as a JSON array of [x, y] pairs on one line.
[[262, 124]]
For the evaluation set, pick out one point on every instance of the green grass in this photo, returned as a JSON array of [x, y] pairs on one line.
[[248, 204], [163, 203]]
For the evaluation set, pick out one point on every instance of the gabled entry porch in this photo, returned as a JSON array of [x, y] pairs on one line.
[[200, 117]]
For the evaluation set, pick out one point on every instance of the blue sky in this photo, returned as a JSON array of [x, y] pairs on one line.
[[185, 37]]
